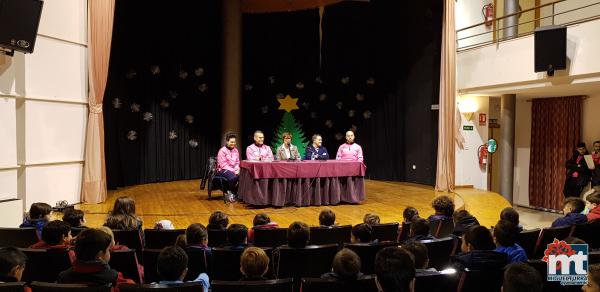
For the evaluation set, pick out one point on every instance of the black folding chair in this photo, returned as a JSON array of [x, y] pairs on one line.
[[386, 232], [328, 235], [279, 285], [366, 284], [45, 265], [53, 287], [367, 252], [527, 239], [217, 237], [183, 287], [18, 237], [439, 251], [130, 238], [212, 179], [270, 237], [126, 262], [161, 238]]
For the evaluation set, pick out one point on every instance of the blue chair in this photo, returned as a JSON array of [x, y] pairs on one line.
[[212, 179]]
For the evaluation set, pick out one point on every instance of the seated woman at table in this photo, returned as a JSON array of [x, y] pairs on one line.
[[316, 151], [350, 150], [228, 162], [287, 151], [259, 151]]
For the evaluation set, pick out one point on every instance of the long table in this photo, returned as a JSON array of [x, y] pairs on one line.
[[301, 183]]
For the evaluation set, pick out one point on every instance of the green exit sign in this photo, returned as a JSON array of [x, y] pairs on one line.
[[468, 128]]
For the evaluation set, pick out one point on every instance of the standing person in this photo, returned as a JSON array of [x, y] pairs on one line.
[[259, 151], [287, 150], [596, 158], [578, 173], [228, 163], [316, 151], [350, 150]]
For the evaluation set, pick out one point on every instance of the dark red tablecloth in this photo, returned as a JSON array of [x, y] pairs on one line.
[[304, 183]]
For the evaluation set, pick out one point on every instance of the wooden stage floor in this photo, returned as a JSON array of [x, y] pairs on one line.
[[183, 203]]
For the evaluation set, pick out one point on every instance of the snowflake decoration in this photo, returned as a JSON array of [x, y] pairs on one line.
[[322, 97], [264, 109], [299, 85], [360, 96], [280, 95], [183, 75], [271, 79], [313, 115], [367, 114], [155, 70], [306, 105], [172, 135], [148, 116], [351, 113], [199, 71], [135, 107], [203, 87], [319, 80], [345, 80], [248, 87], [132, 135], [164, 103], [117, 103], [557, 247], [329, 123], [130, 73], [193, 143], [371, 81], [189, 119], [339, 136], [173, 94], [339, 105]]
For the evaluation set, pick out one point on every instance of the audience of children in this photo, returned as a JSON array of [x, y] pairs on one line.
[[195, 237], [511, 215], [421, 256], [572, 208], [419, 230], [218, 220], [409, 214], [38, 216], [346, 266], [254, 264], [593, 204], [444, 208], [327, 218], [123, 215], [55, 235], [12, 264], [521, 277], [262, 221], [298, 235], [74, 217], [362, 233], [237, 237], [478, 252], [395, 270], [462, 220], [505, 236], [371, 219], [172, 267]]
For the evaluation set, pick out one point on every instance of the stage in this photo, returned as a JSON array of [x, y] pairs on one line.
[[184, 203]]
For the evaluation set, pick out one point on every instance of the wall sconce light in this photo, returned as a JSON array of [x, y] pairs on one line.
[[468, 107]]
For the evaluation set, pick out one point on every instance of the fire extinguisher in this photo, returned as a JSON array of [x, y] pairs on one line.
[[488, 14], [482, 155]]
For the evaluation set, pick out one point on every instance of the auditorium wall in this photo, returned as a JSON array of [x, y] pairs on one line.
[[43, 110], [468, 171]]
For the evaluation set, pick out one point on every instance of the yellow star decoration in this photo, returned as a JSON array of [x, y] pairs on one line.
[[288, 103]]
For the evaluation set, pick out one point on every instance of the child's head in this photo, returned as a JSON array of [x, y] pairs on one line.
[[521, 277], [505, 233], [511, 215], [218, 218], [371, 219], [362, 233], [327, 218], [419, 226], [74, 217], [237, 234], [593, 200], [172, 264], [593, 284], [261, 219], [40, 211], [93, 244], [443, 205], [420, 253], [460, 215], [124, 206], [254, 262], [12, 262], [395, 269], [196, 234], [581, 148], [573, 205], [298, 234], [409, 214], [477, 238], [56, 232], [596, 146], [346, 263], [109, 232]]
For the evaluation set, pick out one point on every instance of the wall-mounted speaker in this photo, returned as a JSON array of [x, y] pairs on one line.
[[19, 21], [550, 49]]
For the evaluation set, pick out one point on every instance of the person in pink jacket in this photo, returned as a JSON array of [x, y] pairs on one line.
[[259, 151], [228, 162], [350, 150]]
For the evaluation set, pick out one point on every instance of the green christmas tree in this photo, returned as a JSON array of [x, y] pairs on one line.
[[289, 124]]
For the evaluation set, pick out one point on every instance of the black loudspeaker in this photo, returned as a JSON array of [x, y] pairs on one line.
[[19, 21], [550, 49]]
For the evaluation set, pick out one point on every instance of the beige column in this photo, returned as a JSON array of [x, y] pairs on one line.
[[231, 113]]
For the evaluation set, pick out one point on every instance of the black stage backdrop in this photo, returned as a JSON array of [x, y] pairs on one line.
[[372, 67], [162, 103]]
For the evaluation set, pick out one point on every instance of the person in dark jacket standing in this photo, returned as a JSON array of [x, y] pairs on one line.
[[578, 173]]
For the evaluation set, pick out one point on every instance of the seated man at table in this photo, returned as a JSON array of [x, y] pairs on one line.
[[259, 151], [228, 163], [350, 150], [316, 151]]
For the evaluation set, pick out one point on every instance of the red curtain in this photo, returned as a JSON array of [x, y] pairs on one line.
[[555, 131]]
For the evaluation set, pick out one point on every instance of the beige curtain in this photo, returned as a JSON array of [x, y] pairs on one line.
[[444, 180], [100, 26]]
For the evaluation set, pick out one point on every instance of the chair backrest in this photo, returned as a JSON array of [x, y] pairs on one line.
[[366, 284], [130, 238], [328, 235], [45, 265], [588, 232], [125, 261], [209, 171], [279, 285], [76, 230], [183, 287], [18, 237], [225, 263], [12, 287], [198, 262], [53, 287], [311, 261], [435, 282], [270, 237], [386, 232], [439, 251], [548, 235], [442, 228], [161, 238], [367, 253], [404, 232], [476, 280], [150, 259], [217, 237], [528, 239], [594, 257]]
